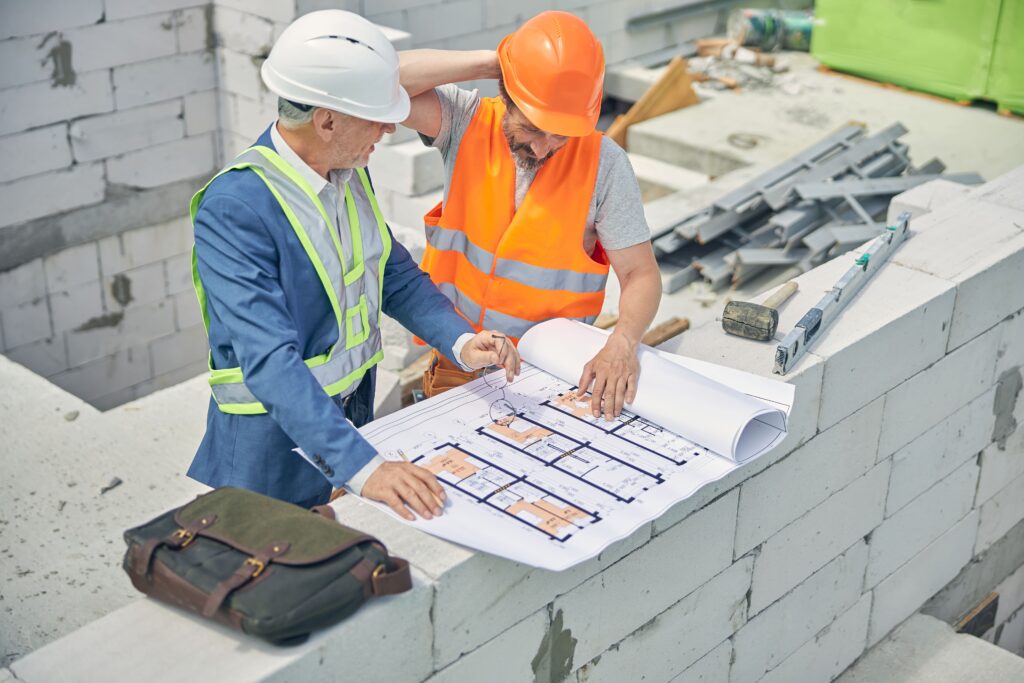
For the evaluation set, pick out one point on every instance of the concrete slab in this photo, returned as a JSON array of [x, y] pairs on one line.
[[61, 535], [926, 650]]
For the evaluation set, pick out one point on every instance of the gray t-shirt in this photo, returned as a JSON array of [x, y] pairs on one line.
[[616, 214]]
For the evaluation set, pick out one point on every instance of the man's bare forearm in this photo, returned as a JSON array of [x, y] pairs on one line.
[[421, 70], [638, 304]]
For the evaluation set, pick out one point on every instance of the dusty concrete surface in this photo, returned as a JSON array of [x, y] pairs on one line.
[[60, 533], [926, 650]]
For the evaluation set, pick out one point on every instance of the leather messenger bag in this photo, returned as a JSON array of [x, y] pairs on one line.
[[268, 568]]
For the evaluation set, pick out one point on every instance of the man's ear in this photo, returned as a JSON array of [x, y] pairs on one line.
[[324, 123]]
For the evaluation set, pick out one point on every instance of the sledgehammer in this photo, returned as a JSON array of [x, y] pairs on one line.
[[756, 321]]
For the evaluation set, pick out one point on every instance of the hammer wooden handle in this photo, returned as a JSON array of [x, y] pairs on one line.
[[784, 292]]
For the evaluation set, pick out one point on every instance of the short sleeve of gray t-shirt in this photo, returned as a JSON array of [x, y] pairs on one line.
[[616, 214]]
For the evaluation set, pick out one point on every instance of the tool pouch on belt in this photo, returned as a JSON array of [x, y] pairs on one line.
[[442, 375], [265, 567]]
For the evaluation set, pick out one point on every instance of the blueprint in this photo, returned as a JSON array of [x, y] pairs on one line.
[[531, 475]]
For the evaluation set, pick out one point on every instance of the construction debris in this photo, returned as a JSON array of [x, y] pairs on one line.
[[816, 205]]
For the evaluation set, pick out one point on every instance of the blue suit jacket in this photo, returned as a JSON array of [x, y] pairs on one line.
[[268, 311]]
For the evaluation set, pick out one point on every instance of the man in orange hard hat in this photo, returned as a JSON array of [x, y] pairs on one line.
[[537, 204]]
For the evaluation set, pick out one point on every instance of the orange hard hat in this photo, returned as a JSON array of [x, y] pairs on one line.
[[553, 68]]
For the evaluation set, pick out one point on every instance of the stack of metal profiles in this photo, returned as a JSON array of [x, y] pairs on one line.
[[816, 205]]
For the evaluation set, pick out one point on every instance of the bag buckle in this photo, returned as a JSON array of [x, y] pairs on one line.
[[259, 566], [377, 571], [185, 534]]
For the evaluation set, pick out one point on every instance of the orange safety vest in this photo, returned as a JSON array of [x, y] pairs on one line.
[[506, 269]]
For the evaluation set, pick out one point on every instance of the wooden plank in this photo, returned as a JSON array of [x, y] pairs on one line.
[[672, 91], [659, 334]]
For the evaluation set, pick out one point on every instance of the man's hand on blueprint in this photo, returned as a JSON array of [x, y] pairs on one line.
[[491, 348], [613, 371], [402, 485]]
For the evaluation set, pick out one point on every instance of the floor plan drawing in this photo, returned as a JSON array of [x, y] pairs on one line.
[[532, 475]]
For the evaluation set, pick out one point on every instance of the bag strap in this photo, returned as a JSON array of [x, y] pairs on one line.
[[383, 579], [177, 539], [246, 572]]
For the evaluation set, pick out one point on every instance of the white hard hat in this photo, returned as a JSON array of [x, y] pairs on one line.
[[338, 60]]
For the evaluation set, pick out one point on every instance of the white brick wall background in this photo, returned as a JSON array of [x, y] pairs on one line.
[[787, 570], [103, 97]]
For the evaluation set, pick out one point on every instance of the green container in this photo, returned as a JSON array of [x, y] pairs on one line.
[[961, 49]]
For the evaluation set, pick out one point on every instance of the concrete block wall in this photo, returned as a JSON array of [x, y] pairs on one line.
[[108, 321], [898, 490]]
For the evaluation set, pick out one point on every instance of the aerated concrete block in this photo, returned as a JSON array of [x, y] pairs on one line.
[[988, 257], [714, 666], [904, 591], [409, 168], [142, 285], [97, 378], [137, 324], [37, 151], [163, 79], [1004, 190], [46, 357], [926, 198], [678, 637], [1011, 595], [1010, 353], [71, 267], [506, 658], [139, 247], [26, 323], [179, 349], [772, 636], [163, 164], [101, 650], [388, 398], [610, 606], [37, 104], [1000, 513], [186, 310], [439, 21], [107, 135], [831, 651], [906, 533], [246, 119], [242, 31], [281, 11], [201, 113], [240, 74], [1000, 465], [77, 307], [27, 17], [517, 590], [118, 42], [22, 283], [172, 378], [940, 450], [895, 327], [945, 387], [50, 193], [192, 29], [121, 9], [805, 478], [813, 540], [25, 60]]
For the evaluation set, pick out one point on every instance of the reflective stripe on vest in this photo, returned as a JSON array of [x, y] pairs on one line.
[[354, 290], [506, 268]]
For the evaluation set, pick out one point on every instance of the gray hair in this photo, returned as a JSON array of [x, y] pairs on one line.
[[291, 116]]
